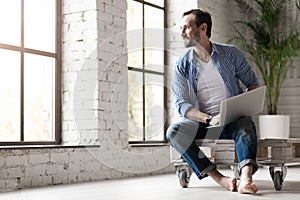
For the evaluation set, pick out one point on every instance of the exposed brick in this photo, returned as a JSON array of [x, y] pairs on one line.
[[39, 158], [8, 184], [16, 160], [11, 172], [59, 158]]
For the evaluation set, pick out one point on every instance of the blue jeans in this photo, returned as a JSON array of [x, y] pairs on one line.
[[182, 136]]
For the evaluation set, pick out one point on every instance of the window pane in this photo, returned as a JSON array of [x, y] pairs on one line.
[[38, 97], [154, 39], [135, 34], [10, 22], [154, 60], [10, 96], [154, 107], [157, 2], [39, 24], [135, 106], [135, 59]]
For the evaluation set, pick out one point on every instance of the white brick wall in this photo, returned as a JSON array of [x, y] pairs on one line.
[[50, 166], [79, 56]]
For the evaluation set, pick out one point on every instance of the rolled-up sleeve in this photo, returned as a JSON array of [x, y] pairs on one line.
[[182, 90], [243, 69]]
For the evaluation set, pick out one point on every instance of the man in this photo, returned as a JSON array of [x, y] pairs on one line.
[[204, 76]]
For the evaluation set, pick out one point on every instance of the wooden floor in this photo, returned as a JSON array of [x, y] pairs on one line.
[[161, 188]]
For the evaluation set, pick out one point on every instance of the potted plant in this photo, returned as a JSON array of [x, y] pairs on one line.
[[270, 34]]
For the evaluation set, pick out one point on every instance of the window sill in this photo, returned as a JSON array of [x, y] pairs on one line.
[[149, 144], [47, 146]]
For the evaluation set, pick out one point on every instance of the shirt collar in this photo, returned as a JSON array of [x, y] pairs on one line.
[[214, 50]]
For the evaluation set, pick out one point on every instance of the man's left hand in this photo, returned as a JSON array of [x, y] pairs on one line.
[[215, 120]]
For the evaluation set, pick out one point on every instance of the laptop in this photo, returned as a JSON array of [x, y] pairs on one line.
[[245, 104]]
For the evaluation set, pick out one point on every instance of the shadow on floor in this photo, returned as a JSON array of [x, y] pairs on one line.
[[288, 186], [265, 187]]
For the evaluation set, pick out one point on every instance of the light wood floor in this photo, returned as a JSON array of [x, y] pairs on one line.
[[161, 187]]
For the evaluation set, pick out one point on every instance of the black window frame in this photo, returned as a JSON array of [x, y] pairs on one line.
[[57, 82], [146, 71]]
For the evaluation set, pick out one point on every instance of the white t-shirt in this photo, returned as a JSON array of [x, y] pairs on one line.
[[211, 89]]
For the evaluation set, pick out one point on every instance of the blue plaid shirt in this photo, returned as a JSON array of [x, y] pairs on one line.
[[231, 64]]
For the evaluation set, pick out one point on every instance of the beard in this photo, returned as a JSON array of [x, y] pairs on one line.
[[189, 42]]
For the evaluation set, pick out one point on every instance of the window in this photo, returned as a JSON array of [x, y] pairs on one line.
[[29, 78], [146, 61]]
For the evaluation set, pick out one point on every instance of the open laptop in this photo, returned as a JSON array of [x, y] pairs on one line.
[[245, 104]]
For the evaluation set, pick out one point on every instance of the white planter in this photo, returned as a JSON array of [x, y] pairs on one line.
[[274, 126]]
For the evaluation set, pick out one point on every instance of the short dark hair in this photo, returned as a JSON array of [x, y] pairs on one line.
[[200, 18]]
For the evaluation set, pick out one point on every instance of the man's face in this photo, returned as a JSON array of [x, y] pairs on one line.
[[189, 31]]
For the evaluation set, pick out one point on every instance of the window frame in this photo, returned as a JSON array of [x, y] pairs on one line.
[[57, 79], [147, 71]]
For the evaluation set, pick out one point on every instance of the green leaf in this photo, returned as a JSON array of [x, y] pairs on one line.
[[272, 40]]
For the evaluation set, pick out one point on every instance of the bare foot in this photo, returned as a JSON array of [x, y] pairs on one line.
[[225, 181], [228, 183], [247, 188]]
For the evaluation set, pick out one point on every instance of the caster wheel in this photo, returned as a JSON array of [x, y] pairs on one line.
[[184, 179], [271, 170], [278, 180]]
